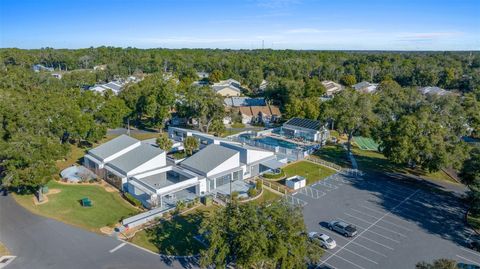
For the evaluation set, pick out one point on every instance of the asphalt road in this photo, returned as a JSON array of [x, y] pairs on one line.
[[399, 222], [40, 243]]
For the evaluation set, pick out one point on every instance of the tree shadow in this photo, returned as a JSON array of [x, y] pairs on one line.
[[431, 206], [176, 236]]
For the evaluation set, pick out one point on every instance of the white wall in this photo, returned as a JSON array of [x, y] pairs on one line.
[[230, 163], [156, 162]]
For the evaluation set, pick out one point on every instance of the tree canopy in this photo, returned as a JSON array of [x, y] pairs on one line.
[[258, 237]]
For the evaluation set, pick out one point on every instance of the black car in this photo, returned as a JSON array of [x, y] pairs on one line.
[[475, 245]]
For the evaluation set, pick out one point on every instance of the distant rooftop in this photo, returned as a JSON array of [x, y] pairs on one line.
[[244, 101]]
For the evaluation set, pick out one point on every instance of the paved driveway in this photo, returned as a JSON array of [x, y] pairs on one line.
[[398, 224], [40, 242]]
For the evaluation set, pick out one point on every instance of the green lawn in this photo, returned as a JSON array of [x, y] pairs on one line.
[[268, 196], [238, 125], [376, 162], [175, 236], [334, 154], [311, 171], [108, 207]]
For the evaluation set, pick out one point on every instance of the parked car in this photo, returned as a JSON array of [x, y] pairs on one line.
[[324, 240], [467, 266], [473, 244], [343, 228]]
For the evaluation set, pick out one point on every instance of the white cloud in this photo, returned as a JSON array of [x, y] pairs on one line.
[[427, 36]]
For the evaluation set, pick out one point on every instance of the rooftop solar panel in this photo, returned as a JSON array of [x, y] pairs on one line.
[[304, 123]]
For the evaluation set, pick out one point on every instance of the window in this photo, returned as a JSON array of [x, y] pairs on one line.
[[237, 175], [223, 180]]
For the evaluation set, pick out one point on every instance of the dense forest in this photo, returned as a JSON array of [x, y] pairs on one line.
[[41, 115]]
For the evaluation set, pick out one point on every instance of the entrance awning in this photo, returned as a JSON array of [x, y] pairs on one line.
[[272, 164]]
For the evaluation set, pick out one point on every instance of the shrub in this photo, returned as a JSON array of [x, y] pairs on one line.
[[252, 192], [274, 176], [207, 200], [134, 201], [235, 195], [259, 185], [180, 206], [196, 200]]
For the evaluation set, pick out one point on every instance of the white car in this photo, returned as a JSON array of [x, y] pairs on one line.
[[323, 239]]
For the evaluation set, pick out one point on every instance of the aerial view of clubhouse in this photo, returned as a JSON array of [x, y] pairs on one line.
[[220, 166]]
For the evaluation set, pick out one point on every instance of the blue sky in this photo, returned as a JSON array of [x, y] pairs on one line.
[[282, 24]]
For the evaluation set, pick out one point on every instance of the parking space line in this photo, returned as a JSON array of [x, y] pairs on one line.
[[371, 240], [470, 251], [393, 216], [361, 256], [468, 260], [373, 224], [370, 231], [369, 249], [312, 192], [117, 247], [386, 221], [381, 235], [379, 226], [350, 262], [330, 266]]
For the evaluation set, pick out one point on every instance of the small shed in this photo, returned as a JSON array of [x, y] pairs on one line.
[[296, 182]]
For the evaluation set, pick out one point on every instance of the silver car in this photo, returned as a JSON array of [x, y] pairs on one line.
[[322, 239], [343, 228]]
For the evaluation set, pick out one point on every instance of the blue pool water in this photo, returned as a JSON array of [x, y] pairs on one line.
[[277, 142], [271, 141]]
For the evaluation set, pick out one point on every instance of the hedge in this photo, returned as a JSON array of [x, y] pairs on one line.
[[134, 201]]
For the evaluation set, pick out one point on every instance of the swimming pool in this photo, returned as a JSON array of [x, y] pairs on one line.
[[271, 141], [277, 142]]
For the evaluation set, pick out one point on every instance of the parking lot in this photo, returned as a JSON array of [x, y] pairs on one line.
[[398, 224]]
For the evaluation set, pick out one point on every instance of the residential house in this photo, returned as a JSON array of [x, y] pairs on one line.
[[244, 101], [310, 130], [332, 87], [203, 75], [100, 67], [365, 87], [41, 67], [433, 91], [251, 110], [229, 87], [263, 86], [57, 75], [114, 86]]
